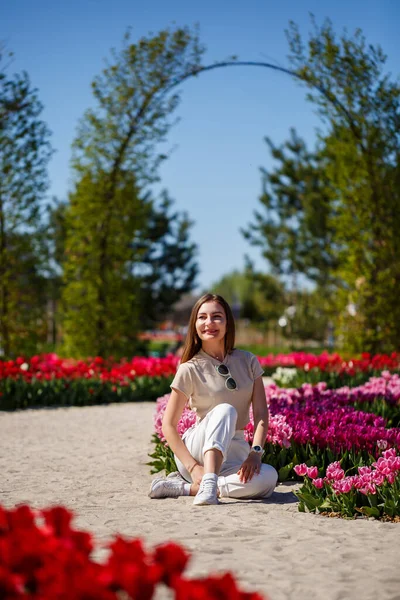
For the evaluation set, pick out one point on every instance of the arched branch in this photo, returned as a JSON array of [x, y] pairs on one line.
[[303, 78]]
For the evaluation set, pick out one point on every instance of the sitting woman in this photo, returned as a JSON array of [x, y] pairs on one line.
[[219, 382]]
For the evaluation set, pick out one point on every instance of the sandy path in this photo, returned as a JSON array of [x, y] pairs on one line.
[[93, 460]]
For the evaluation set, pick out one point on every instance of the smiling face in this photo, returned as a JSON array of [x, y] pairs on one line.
[[211, 322], [211, 326]]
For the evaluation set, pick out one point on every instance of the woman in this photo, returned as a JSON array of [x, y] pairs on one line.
[[219, 382]]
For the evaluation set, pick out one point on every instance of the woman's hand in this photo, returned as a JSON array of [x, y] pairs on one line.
[[251, 466], [197, 474]]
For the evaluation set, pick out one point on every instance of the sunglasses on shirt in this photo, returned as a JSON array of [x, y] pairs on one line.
[[230, 383]]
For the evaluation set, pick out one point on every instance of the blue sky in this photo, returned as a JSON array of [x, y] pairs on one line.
[[219, 147]]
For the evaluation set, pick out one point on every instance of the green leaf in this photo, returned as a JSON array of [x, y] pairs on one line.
[[326, 504], [310, 501], [283, 472], [369, 511]]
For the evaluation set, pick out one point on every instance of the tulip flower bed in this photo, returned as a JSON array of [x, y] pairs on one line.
[[317, 425], [333, 362], [48, 380], [292, 370], [314, 425], [372, 490], [43, 557]]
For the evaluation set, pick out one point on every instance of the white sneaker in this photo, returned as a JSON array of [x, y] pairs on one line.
[[176, 475], [172, 487], [208, 491]]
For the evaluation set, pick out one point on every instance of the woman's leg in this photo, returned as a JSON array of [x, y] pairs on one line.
[[215, 439], [214, 432], [261, 485], [209, 444], [212, 461]]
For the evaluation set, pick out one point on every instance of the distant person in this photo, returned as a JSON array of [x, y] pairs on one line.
[[220, 383]]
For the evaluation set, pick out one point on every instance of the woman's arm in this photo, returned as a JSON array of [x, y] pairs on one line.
[[252, 464], [260, 413], [173, 413]]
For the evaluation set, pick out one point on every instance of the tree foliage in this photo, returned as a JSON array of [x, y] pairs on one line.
[[258, 296], [356, 169], [127, 257], [361, 107], [294, 228], [135, 106], [309, 318], [24, 154]]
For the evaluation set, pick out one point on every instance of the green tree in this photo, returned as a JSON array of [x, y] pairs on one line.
[[309, 318], [360, 106], [332, 214], [150, 263], [166, 266], [294, 229], [28, 293], [236, 287], [112, 277], [56, 232], [260, 296], [24, 154]]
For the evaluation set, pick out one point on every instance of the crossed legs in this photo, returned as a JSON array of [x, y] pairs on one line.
[[216, 445]]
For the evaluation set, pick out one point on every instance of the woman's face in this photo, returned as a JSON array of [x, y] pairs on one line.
[[211, 322]]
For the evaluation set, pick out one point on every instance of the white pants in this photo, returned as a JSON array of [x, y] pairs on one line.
[[218, 430]]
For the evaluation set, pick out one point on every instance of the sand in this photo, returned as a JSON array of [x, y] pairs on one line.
[[93, 460]]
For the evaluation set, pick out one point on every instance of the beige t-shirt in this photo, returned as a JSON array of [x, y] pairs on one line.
[[205, 388]]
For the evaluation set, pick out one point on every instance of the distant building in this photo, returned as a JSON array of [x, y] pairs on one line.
[[180, 311]]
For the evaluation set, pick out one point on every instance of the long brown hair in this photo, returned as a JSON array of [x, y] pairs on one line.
[[193, 342]]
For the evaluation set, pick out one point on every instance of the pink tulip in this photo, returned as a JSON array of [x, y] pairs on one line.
[[378, 478], [368, 489], [318, 483], [312, 472], [301, 469], [391, 453], [343, 486], [383, 466], [364, 470], [334, 471], [391, 478]]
